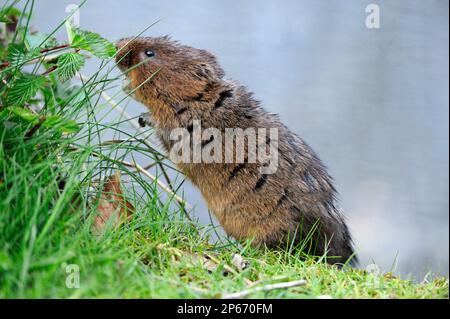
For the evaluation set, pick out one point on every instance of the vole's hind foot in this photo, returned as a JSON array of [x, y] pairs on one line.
[[145, 120]]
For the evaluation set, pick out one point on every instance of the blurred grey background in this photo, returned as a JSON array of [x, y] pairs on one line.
[[373, 103]]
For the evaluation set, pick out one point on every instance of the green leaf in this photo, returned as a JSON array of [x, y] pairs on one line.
[[69, 126], [92, 42], [61, 124], [16, 55], [24, 88], [69, 64], [24, 113]]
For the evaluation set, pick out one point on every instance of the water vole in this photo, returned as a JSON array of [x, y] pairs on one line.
[[296, 203]]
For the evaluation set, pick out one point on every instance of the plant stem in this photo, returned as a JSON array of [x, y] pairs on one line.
[[33, 130], [58, 47], [4, 65], [50, 70]]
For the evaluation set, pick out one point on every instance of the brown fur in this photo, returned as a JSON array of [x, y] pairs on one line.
[[187, 84]]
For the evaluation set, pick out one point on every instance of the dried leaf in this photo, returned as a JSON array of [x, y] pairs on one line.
[[112, 204]]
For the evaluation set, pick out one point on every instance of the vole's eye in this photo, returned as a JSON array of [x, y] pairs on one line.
[[150, 53]]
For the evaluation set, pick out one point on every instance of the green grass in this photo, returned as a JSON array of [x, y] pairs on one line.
[[51, 175], [154, 257]]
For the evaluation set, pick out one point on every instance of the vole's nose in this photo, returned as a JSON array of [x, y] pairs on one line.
[[123, 56]]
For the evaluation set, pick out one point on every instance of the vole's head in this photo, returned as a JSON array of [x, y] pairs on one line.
[[159, 67]]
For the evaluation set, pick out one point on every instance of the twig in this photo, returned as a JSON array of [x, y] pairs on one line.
[[274, 278], [281, 285], [44, 58], [58, 47], [50, 70], [160, 184]]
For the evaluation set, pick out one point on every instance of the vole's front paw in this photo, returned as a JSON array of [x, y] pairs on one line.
[[145, 120]]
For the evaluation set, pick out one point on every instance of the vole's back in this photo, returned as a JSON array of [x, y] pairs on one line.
[[294, 204]]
